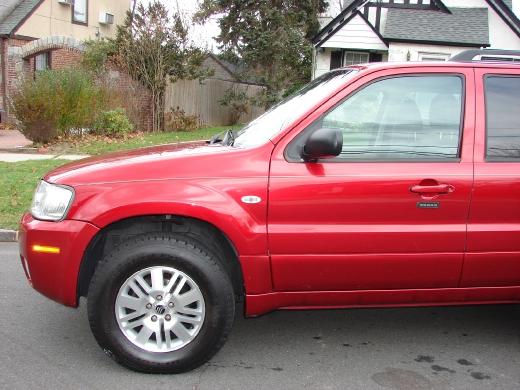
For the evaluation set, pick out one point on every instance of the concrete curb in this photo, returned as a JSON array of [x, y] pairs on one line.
[[8, 235]]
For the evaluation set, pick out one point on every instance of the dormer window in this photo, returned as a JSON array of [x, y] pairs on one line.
[[80, 11]]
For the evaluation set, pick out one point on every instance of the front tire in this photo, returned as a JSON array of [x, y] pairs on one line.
[[161, 304]]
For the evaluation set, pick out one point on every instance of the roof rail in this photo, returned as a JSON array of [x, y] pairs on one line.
[[487, 55]]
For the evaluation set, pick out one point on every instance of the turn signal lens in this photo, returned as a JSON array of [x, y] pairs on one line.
[[46, 249]]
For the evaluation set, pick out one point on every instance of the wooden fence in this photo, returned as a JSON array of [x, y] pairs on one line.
[[202, 100]]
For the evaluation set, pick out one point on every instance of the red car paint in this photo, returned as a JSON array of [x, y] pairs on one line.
[[325, 235]]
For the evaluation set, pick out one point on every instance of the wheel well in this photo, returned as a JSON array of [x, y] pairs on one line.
[[205, 233]]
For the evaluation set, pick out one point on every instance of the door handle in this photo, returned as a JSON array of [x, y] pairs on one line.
[[432, 189]]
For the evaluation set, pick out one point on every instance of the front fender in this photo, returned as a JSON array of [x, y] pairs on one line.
[[214, 200]]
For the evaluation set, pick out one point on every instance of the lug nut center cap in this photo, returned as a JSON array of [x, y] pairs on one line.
[[160, 309]]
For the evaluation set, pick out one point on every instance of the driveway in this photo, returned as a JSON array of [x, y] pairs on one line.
[[45, 345]]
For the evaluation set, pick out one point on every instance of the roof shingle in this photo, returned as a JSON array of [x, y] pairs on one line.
[[15, 13], [462, 26]]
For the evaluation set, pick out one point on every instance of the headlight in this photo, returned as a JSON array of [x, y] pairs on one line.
[[51, 202]]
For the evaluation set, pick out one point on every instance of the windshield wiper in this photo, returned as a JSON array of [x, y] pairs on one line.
[[226, 138]]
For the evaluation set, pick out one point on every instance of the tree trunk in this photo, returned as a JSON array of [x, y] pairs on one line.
[[158, 109]]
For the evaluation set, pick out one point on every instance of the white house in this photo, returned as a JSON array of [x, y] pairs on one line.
[[413, 30]]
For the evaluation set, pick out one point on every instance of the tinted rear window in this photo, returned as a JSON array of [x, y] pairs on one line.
[[503, 118]]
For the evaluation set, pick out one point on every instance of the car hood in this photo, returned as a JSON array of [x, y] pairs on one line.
[[172, 161]]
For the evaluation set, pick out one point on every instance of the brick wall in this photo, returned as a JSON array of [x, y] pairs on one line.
[[13, 69], [130, 95], [64, 58]]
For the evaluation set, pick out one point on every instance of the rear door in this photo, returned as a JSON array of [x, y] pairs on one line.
[[391, 211], [493, 257]]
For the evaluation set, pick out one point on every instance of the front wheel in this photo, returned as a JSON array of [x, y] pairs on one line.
[[161, 304]]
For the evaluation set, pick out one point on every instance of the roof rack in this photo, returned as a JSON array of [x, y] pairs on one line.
[[487, 55]]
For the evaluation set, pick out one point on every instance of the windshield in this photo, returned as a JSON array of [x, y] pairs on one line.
[[287, 111]]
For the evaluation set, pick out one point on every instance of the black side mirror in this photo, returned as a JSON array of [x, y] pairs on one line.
[[323, 143]]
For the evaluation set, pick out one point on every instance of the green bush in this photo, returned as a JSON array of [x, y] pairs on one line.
[[97, 53], [113, 123], [57, 103]]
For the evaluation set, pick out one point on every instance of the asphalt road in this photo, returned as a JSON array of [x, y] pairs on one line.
[[45, 345]]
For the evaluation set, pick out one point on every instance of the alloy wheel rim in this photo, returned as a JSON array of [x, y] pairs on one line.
[[160, 309]]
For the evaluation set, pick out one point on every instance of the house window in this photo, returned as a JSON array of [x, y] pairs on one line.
[[354, 58], [433, 57], [42, 61], [80, 11], [335, 59]]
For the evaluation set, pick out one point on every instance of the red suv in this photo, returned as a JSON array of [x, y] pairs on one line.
[[376, 185]]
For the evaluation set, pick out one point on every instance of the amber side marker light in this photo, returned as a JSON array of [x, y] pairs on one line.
[[45, 249]]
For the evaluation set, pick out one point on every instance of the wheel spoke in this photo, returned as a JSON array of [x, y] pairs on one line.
[[172, 281], [179, 287], [144, 335], [146, 287], [134, 324], [129, 302], [168, 338], [187, 310], [187, 319], [188, 298], [135, 288], [157, 279], [131, 316], [158, 335], [180, 331]]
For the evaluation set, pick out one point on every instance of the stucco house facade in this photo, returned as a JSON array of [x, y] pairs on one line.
[[42, 34], [412, 30]]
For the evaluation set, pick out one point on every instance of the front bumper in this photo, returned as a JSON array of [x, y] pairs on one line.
[[55, 275]]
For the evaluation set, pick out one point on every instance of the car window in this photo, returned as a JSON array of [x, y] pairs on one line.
[[288, 110], [503, 120], [400, 119]]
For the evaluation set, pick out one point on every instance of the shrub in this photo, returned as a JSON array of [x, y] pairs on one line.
[[97, 54], [113, 123], [57, 103], [177, 120]]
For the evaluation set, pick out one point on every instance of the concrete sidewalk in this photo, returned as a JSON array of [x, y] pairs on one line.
[[12, 142], [16, 157], [13, 139]]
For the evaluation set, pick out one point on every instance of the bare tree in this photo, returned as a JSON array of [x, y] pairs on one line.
[[155, 49]]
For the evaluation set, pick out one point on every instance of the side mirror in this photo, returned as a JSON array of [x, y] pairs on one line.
[[323, 143]]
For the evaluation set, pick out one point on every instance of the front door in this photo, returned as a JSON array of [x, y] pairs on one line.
[[391, 211]]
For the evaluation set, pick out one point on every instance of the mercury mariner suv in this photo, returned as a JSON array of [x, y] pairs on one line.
[[388, 184]]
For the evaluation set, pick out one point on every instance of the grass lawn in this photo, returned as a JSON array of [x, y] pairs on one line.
[[18, 182], [100, 145]]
